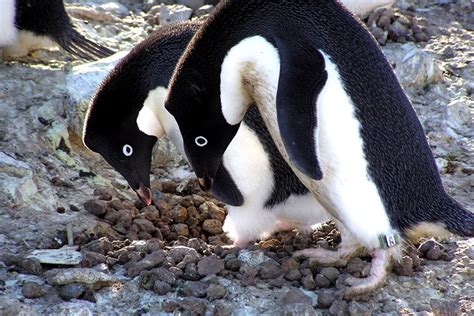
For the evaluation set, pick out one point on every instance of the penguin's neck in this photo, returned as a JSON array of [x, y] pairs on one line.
[[250, 73], [154, 120]]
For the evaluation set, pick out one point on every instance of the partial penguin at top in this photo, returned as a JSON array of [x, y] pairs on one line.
[[31, 24], [335, 110], [127, 116]]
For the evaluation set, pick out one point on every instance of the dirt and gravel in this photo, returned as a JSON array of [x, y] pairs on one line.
[[108, 254]]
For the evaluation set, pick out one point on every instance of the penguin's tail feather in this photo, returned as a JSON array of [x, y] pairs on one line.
[[458, 220], [75, 43]]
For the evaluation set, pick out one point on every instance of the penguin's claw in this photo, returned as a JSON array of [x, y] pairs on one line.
[[376, 278], [324, 257]]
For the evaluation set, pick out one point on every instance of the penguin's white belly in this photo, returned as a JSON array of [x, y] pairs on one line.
[[346, 186], [300, 211], [25, 42], [249, 166]]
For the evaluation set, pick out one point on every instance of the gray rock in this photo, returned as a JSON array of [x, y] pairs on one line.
[[73, 309], [204, 10], [356, 308], [178, 253], [252, 258], [270, 269], [248, 274], [32, 266], [190, 272], [325, 298], [288, 264], [32, 290], [356, 266], [79, 275], [174, 13], [215, 292], [144, 225], [210, 265], [96, 207], [67, 255], [445, 308], [233, 264], [308, 282], [150, 261], [414, 67], [114, 8], [16, 180], [194, 305], [458, 116], [165, 275], [161, 287], [194, 288], [71, 291], [193, 4], [330, 273], [322, 281], [147, 279], [339, 308], [293, 275], [189, 258], [296, 296]]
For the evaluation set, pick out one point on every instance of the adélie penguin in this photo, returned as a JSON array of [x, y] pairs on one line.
[[30, 24], [334, 109], [127, 116]]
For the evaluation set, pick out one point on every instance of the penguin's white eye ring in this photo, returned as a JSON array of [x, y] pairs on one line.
[[201, 141], [127, 150]]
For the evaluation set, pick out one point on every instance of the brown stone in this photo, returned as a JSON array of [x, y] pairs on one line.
[[212, 226]]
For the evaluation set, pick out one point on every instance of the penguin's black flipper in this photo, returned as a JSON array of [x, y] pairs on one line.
[[225, 189], [302, 77], [76, 44], [49, 18]]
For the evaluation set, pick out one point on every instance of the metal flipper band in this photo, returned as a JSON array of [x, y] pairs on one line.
[[388, 241]]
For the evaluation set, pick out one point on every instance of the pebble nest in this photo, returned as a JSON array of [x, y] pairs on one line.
[[396, 25], [178, 245]]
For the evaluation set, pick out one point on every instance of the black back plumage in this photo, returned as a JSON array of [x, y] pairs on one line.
[[399, 159], [49, 18]]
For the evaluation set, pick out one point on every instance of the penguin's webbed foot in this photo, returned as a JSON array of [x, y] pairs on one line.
[[378, 273], [324, 257]]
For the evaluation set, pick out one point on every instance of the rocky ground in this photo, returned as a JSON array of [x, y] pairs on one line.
[[172, 257]]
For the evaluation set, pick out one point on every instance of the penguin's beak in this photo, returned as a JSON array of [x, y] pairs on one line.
[[205, 183], [144, 193]]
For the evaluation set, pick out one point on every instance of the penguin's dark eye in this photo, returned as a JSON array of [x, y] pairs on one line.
[[201, 141], [127, 150]]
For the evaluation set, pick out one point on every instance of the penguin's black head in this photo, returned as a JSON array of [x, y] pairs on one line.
[[206, 134], [125, 148]]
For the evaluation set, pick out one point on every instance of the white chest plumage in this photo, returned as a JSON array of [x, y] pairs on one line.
[[346, 189]]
